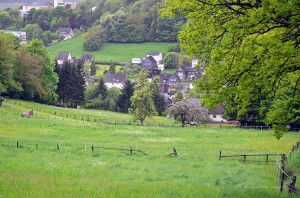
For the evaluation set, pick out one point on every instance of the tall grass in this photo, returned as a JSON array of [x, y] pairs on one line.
[[38, 169]]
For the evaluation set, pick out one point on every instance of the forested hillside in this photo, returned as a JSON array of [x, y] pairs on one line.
[[105, 21]]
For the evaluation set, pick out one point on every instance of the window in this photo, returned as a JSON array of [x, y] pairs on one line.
[[214, 116]]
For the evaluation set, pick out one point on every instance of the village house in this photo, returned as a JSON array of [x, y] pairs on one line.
[[136, 61], [37, 5], [152, 73], [20, 34], [62, 57], [114, 80], [65, 33], [216, 115], [149, 63], [171, 79], [88, 59], [158, 58]]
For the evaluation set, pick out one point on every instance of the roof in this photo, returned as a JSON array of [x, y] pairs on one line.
[[220, 110], [65, 30], [154, 53], [114, 78], [165, 76], [194, 101], [149, 63], [87, 57], [63, 56]]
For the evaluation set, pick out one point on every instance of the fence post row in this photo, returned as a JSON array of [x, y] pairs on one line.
[[282, 174], [291, 186]]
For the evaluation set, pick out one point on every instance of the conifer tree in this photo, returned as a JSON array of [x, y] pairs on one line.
[[123, 102]]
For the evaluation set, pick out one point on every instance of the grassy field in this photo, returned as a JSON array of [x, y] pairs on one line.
[[38, 169], [118, 52]]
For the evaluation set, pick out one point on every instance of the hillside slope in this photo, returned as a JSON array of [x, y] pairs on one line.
[[118, 52]]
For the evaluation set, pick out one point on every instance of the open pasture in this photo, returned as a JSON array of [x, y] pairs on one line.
[[36, 168], [118, 52]]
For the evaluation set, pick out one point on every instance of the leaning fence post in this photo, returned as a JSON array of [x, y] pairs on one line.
[[220, 155]]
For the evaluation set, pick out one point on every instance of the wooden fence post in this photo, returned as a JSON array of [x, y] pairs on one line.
[[220, 155], [130, 150], [282, 174], [92, 148], [175, 152], [244, 158], [17, 144], [57, 147], [267, 158]]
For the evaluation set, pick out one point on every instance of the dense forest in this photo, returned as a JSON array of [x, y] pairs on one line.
[[104, 21]]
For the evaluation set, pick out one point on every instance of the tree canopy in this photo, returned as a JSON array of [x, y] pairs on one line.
[[253, 52]]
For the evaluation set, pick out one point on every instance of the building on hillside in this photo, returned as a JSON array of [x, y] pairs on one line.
[[88, 59], [216, 115], [152, 73], [158, 58], [62, 57], [114, 80], [20, 34], [136, 60], [37, 5], [66, 4], [149, 63], [65, 33]]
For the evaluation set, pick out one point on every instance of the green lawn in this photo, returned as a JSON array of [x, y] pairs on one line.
[[118, 52], [38, 169]]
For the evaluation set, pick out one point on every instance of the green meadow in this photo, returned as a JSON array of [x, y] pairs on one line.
[[36, 168], [118, 52]]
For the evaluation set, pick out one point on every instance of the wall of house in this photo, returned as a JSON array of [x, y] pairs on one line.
[[110, 85], [217, 118]]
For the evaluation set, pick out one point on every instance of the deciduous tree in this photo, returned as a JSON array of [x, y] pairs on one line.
[[253, 52]]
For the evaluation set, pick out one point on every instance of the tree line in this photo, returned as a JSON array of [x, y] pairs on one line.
[[107, 20]]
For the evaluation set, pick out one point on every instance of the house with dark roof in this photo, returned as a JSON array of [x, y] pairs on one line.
[[216, 115], [149, 63], [171, 79], [62, 57], [114, 80], [158, 58], [66, 33]]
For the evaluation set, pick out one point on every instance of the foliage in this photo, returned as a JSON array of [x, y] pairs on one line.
[[189, 112], [123, 102], [253, 50], [33, 31], [171, 60], [113, 94], [112, 67], [178, 97], [142, 99], [71, 84], [7, 60], [49, 77], [94, 39]]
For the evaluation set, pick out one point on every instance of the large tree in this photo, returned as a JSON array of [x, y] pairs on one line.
[[49, 77], [253, 52], [189, 112], [142, 99], [7, 61]]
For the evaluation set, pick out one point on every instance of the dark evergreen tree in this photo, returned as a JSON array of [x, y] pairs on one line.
[[93, 69], [101, 91], [159, 103], [123, 101], [79, 83], [65, 86]]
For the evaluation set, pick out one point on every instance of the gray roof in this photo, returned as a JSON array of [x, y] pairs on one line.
[[114, 78], [219, 110], [153, 73], [165, 76], [63, 56], [153, 53]]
